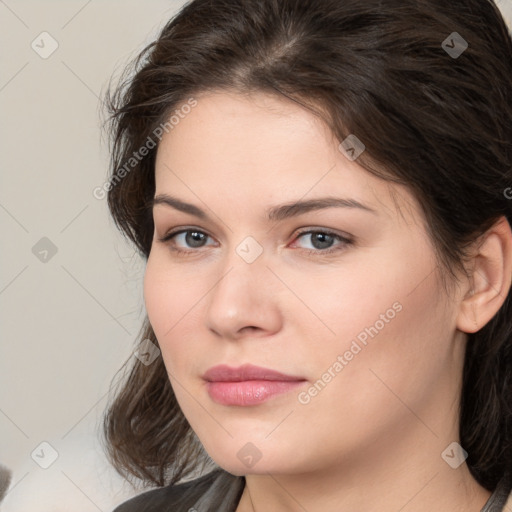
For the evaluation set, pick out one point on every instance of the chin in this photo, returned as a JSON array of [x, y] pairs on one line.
[[249, 460], [238, 469]]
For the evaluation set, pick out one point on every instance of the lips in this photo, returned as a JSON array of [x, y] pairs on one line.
[[247, 384], [224, 373]]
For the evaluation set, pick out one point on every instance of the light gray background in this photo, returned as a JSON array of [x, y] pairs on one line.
[[70, 322]]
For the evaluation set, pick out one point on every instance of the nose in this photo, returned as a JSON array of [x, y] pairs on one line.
[[244, 300]]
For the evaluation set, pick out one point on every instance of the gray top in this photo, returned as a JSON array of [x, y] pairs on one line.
[[220, 491], [498, 499]]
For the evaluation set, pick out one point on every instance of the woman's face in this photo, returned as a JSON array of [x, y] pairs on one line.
[[344, 297]]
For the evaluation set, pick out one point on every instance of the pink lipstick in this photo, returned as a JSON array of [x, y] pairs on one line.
[[247, 384]]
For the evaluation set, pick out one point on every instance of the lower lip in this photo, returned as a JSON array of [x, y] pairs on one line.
[[248, 392]]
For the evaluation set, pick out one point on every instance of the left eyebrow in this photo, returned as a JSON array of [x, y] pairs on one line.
[[300, 207], [275, 213]]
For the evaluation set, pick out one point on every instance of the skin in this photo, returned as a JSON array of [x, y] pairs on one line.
[[372, 438]]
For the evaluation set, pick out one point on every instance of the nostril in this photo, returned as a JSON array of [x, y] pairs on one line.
[[250, 328]]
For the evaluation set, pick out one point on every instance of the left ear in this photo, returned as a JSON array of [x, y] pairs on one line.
[[490, 278]]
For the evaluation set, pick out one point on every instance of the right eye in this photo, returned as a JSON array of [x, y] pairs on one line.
[[178, 241]]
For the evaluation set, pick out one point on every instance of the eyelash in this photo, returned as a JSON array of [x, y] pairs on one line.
[[345, 241]]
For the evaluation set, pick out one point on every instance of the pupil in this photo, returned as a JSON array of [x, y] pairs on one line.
[[194, 238], [324, 240]]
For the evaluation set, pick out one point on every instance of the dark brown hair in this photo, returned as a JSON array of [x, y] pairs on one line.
[[439, 123]]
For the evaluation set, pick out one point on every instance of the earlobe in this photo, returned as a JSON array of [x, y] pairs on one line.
[[490, 280]]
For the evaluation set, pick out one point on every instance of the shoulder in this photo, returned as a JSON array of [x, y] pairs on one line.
[[162, 498], [183, 495], [508, 505], [501, 498]]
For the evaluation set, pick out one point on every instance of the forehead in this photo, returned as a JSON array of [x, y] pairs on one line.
[[262, 147], [247, 131]]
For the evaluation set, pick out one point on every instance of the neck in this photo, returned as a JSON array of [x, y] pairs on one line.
[[385, 478]]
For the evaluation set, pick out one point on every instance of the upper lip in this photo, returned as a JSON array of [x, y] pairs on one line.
[[224, 373]]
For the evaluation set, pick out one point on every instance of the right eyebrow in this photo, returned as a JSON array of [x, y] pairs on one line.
[[177, 204]]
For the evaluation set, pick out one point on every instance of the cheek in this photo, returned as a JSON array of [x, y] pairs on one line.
[[387, 313], [171, 304], [387, 361], [361, 301], [393, 338], [158, 301]]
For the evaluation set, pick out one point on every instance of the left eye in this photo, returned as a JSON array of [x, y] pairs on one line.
[[322, 241]]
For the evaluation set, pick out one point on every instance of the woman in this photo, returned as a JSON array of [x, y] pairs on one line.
[[321, 189]]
